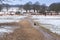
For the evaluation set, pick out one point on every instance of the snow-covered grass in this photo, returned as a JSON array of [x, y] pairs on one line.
[[8, 19], [49, 17], [49, 22], [4, 19], [7, 29]]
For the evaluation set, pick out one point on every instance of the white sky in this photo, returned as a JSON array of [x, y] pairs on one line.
[[47, 2]]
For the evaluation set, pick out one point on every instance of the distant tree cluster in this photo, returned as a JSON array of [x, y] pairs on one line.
[[42, 8], [36, 7], [2, 4], [29, 6], [55, 7]]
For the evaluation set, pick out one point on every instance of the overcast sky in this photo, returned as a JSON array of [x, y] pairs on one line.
[[47, 2]]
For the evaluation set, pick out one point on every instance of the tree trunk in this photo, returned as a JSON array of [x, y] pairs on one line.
[[34, 10], [26, 11], [7, 10], [37, 11], [57, 13], [29, 10], [51, 13]]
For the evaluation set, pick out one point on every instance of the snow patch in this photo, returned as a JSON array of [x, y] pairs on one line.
[[54, 21], [5, 19]]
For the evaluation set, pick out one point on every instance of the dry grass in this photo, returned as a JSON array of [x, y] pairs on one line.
[[9, 24]]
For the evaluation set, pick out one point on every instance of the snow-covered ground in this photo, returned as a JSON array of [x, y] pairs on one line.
[[8, 19], [7, 29], [5, 19], [49, 22]]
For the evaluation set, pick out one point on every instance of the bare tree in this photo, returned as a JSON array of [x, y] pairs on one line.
[[55, 7], [36, 6], [28, 6], [43, 9]]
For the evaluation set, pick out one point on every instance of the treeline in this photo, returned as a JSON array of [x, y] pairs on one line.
[[42, 8], [37, 7]]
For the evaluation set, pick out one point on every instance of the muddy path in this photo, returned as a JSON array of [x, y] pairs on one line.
[[25, 32], [47, 35]]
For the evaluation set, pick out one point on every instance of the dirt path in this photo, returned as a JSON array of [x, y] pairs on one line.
[[46, 35], [25, 32]]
